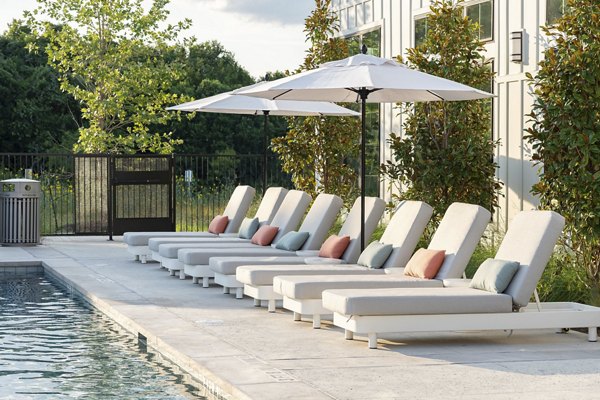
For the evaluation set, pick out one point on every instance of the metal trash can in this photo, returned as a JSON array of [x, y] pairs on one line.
[[20, 212]]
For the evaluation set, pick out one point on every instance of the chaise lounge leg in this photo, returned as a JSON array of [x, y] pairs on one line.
[[372, 340], [592, 334], [239, 293], [256, 303], [317, 321], [181, 274], [297, 316], [136, 257], [195, 279], [348, 335], [143, 258], [225, 290], [172, 272], [205, 282], [271, 305]]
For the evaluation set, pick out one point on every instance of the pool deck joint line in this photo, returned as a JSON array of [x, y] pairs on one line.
[[238, 351]]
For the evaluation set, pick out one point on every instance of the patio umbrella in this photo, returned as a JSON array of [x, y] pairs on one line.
[[367, 79], [230, 103]]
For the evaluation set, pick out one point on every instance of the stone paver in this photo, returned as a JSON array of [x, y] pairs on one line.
[[241, 351]]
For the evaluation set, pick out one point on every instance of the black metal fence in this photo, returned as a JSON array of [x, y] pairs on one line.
[[76, 188]]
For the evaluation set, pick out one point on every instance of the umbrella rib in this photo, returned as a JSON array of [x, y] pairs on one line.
[[279, 95], [439, 97]]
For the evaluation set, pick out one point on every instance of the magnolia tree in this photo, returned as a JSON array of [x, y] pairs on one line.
[[565, 132], [446, 152], [319, 152], [109, 55]]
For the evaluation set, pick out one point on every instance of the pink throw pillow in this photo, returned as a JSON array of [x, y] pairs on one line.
[[264, 235], [218, 224], [334, 246], [425, 263]]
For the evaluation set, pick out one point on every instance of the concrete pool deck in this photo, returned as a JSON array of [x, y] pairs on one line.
[[242, 352]]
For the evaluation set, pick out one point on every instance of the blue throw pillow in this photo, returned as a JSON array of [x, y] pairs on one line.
[[292, 241], [375, 255], [248, 228], [494, 275]]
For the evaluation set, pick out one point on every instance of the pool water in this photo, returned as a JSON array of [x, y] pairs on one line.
[[53, 346]]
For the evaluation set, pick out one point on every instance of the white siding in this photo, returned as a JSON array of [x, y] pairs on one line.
[[396, 19]]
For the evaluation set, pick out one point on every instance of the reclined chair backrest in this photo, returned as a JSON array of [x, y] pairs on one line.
[[270, 204], [238, 206], [320, 218], [404, 231], [459, 232], [374, 208], [290, 212], [529, 240]]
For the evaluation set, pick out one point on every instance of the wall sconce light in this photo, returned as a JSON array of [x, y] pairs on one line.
[[516, 46]]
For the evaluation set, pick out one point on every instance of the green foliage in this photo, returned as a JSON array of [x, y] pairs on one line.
[[35, 115], [318, 151], [109, 57], [446, 152], [565, 133], [210, 69]]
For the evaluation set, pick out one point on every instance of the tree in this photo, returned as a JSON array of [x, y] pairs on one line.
[[318, 151], [447, 150], [109, 57], [565, 133], [209, 70], [35, 115]]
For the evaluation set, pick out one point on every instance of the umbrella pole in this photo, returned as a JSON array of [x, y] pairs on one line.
[[265, 140], [363, 93]]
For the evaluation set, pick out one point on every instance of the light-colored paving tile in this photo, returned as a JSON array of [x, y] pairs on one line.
[[241, 351]]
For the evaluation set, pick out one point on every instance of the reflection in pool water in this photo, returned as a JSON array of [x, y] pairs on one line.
[[54, 346]]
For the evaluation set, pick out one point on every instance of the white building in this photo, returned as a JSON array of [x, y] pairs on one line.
[[389, 27]]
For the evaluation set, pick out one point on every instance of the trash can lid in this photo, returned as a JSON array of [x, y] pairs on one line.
[[19, 180]]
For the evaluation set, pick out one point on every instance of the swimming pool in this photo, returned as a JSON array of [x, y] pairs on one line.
[[53, 345]]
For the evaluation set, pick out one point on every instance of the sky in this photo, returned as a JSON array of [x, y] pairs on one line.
[[264, 35]]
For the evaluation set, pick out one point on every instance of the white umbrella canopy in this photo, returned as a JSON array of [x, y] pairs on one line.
[[366, 79], [385, 81], [231, 103]]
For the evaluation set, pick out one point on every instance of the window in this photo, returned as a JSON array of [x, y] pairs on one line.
[[372, 158], [554, 10], [420, 30], [482, 13]]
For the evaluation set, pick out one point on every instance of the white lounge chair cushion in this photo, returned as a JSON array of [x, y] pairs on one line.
[[458, 233], [229, 265], [142, 238], [404, 231], [270, 203], [530, 241], [290, 212], [319, 219], [415, 301], [155, 242], [202, 256], [170, 250], [237, 207], [494, 275], [374, 208], [312, 287], [260, 275]]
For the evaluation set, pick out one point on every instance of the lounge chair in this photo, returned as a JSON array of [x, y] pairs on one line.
[[529, 241], [317, 223], [458, 234], [267, 208], [225, 267], [402, 232], [287, 218], [236, 209]]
